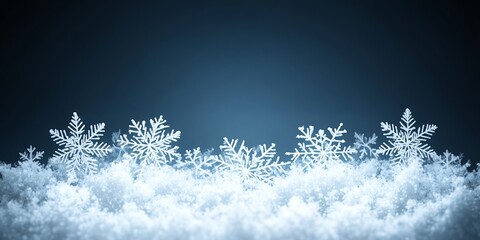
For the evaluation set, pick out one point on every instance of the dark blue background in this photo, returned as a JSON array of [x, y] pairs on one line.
[[248, 70]]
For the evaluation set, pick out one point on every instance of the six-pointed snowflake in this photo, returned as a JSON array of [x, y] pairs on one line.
[[447, 159], [201, 163], [151, 146], [29, 157], [79, 150], [252, 165], [319, 148], [363, 146], [406, 144]]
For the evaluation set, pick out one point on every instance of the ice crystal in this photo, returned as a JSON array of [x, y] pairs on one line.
[[447, 159], [406, 143], [363, 146], [319, 148], [151, 146], [201, 163], [252, 165], [30, 156], [79, 150]]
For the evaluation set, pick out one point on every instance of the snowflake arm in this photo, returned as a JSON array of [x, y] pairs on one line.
[[151, 146], [79, 150], [252, 165], [408, 142], [319, 148]]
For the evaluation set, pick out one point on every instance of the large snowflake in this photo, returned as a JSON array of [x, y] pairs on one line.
[[151, 146], [252, 165], [79, 150], [319, 148], [201, 163], [408, 142], [30, 157]]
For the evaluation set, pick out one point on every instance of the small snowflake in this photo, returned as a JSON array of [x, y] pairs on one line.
[[406, 143], [79, 150], [30, 156], [151, 146], [320, 149], [202, 163], [363, 145], [252, 165], [447, 159]]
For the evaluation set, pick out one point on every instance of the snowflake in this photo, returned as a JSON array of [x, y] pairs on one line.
[[151, 146], [252, 165], [447, 160], [200, 162], [407, 143], [320, 149], [79, 150], [363, 145], [29, 157]]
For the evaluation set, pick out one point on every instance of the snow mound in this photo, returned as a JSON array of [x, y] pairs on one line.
[[370, 200]]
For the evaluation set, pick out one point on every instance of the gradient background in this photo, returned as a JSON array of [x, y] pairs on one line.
[[248, 70]]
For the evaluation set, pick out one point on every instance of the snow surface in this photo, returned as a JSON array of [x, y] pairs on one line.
[[370, 200]]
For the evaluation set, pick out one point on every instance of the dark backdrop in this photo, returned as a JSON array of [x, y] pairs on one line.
[[248, 70]]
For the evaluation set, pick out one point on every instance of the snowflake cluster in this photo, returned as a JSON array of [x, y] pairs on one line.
[[153, 146]]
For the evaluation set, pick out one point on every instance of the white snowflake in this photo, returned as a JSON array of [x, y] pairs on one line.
[[29, 157], [363, 146], [320, 149], [151, 146], [252, 165], [406, 144], [79, 150], [447, 159], [202, 163]]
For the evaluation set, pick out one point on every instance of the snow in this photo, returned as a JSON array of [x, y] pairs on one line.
[[369, 198]]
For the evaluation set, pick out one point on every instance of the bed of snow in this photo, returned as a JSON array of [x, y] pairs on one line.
[[141, 187], [369, 200]]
